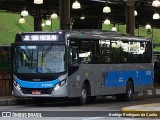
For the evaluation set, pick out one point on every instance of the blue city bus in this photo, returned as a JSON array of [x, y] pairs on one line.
[[81, 64]]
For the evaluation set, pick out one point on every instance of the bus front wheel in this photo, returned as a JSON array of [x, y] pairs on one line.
[[83, 97]]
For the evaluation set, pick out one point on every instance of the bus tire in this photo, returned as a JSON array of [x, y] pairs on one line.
[[128, 96], [83, 97], [129, 91]]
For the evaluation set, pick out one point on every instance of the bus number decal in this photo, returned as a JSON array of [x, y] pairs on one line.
[[120, 79], [46, 85]]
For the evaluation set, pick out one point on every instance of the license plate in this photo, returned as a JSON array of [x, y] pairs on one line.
[[36, 92]]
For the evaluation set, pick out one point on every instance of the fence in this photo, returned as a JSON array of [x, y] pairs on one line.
[[5, 83], [5, 70]]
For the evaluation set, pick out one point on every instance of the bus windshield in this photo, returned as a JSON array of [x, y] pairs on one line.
[[40, 58]]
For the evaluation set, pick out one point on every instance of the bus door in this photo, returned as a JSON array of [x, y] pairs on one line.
[[73, 58]]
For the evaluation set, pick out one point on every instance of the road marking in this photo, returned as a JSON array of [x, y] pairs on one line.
[[93, 118]]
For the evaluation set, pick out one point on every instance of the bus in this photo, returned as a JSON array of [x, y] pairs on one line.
[[81, 65], [156, 58]]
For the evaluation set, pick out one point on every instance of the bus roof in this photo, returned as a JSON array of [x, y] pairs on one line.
[[88, 34], [107, 35]]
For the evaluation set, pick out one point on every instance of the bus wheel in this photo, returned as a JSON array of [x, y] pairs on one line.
[[83, 98], [129, 91], [128, 96]]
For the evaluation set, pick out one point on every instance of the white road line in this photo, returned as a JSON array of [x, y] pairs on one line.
[[93, 118]]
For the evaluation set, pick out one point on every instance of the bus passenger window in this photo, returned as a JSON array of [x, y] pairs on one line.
[[85, 52]]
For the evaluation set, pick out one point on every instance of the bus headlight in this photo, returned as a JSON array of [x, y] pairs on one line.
[[58, 85], [17, 85]]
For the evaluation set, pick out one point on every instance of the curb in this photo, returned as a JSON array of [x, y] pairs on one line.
[[147, 93], [8, 102]]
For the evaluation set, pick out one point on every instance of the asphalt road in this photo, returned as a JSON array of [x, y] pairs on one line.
[[99, 110]]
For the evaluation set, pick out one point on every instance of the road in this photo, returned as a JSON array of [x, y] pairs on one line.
[[98, 110]]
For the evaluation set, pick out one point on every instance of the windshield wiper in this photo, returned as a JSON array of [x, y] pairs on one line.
[[48, 49]]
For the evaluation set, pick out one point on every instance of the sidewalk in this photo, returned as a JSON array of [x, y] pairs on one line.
[[145, 110], [142, 111], [11, 100], [7, 100]]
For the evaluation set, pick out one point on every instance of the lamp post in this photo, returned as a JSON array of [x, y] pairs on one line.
[[53, 16]]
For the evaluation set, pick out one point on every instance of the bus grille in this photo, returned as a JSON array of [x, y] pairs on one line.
[[43, 91]]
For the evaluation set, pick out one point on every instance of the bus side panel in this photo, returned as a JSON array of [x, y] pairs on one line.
[[110, 79], [117, 77], [86, 72], [76, 79]]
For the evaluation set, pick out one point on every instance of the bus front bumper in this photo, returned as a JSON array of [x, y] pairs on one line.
[[61, 92]]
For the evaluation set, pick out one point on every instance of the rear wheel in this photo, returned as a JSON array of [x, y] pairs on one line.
[[129, 91], [128, 96]]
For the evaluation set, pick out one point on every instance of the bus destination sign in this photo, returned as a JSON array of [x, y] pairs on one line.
[[40, 37]]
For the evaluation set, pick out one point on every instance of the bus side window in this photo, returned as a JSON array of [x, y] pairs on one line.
[[73, 56]]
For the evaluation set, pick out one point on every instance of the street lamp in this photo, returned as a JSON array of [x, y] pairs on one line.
[[54, 16], [156, 3], [38, 1], [107, 22], [24, 13], [43, 24], [148, 27], [22, 20], [135, 13], [76, 5], [114, 29], [106, 9], [82, 17], [156, 16], [48, 22]]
